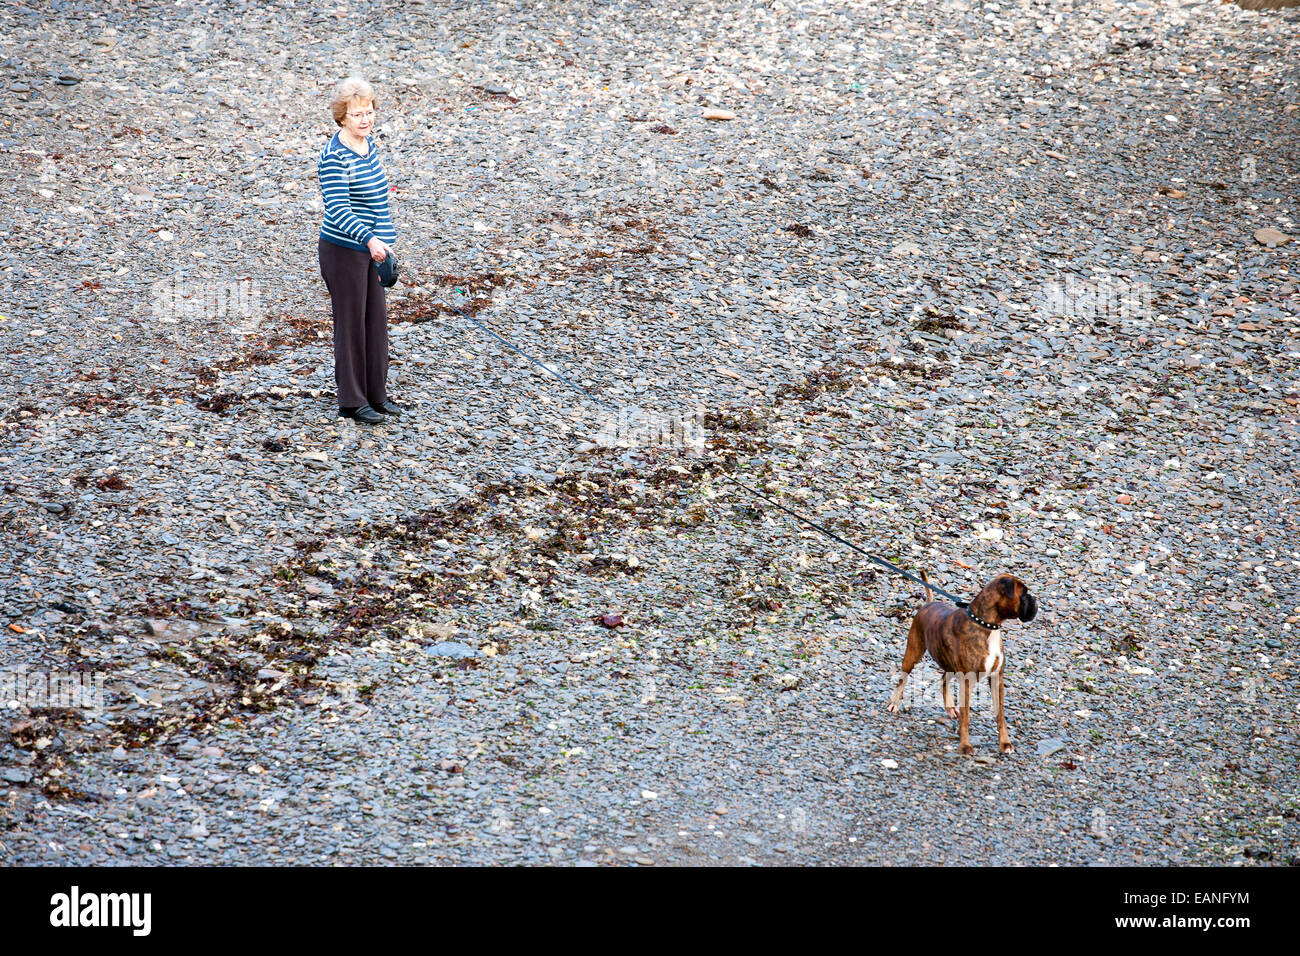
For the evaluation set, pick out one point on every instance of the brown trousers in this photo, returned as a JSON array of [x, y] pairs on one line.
[[360, 325]]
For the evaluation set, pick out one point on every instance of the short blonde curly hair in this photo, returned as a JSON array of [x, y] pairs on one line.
[[353, 88]]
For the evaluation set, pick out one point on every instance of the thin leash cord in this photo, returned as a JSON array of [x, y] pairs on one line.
[[876, 559]]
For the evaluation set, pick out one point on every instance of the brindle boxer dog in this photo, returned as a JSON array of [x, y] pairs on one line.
[[967, 644]]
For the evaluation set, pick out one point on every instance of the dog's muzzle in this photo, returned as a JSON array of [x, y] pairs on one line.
[[1028, 607]]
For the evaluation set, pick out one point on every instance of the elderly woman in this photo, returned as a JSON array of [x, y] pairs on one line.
[[356, 235]]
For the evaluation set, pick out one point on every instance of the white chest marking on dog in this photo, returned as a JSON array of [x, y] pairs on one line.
[[994, 658]]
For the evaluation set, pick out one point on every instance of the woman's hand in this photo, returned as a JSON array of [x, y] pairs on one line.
[[379, 249]]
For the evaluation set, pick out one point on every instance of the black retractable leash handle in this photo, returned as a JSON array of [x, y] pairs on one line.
[[875, 558], [388, 270]]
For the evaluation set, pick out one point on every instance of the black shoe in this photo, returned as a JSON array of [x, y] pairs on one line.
[[365, 414], [388, 408]]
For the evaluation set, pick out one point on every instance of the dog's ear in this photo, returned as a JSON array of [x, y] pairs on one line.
[[1007, 585]]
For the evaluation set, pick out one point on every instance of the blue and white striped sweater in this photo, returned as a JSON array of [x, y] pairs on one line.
[[355, 191]]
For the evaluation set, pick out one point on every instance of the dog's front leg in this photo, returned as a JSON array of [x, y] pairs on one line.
[[996, 689]]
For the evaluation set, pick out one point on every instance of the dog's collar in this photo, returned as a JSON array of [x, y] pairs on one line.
[[984, 624]]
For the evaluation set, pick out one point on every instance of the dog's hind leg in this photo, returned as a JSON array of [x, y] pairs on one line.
[[949, 703], [967, 692], [911, 657]]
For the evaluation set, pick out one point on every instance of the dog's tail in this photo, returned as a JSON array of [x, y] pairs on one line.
[[929, 595]]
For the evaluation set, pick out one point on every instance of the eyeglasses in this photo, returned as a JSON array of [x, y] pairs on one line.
[[363, 114]]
